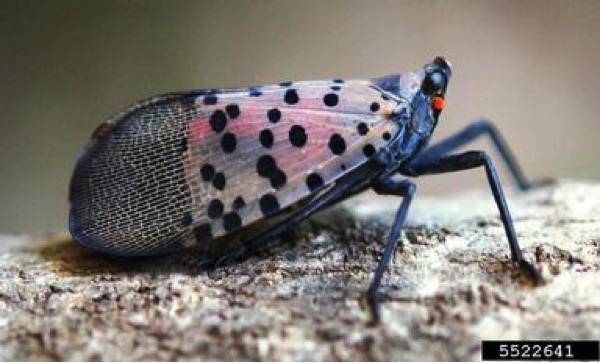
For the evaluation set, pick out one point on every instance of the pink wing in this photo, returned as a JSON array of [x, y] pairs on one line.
[[184, 168], [251, 157]]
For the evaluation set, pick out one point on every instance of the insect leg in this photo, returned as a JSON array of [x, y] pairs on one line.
[[470, 160], [405, 189], [470, 133]]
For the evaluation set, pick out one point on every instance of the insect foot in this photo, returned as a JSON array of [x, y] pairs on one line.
[[531, 272]]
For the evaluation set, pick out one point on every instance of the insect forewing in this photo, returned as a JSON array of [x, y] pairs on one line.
[[186, 168]]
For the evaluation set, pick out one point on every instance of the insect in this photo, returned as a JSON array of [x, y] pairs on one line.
[[188, 168]]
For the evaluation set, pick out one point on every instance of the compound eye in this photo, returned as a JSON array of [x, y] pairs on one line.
[[438, 103], [434, 82]]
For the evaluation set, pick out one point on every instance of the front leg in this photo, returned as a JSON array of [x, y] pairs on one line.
[[473, 131], [470, 160]]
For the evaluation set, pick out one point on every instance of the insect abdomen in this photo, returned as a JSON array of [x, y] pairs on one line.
[[129, 195]]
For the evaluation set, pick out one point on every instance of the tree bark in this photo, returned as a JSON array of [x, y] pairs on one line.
[[450, 285]]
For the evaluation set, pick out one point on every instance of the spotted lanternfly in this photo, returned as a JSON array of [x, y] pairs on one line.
[[187, 168]]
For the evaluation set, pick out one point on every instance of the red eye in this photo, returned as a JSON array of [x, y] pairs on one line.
[[437, 103]]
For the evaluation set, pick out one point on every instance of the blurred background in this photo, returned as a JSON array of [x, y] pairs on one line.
[[533, 67]]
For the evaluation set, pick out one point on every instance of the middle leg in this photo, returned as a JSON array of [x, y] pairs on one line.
[[407, 190]]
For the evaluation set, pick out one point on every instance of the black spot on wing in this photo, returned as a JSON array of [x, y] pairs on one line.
[[291, 97], [215, 209], [231, 221], [218, 121], [278, 179], [228, 143], [266, 166], [269, 204], [298, 136], [219, 181], [210, 99], [238, 203], [254, 92], [337, 144], [233, 111], [274, 115], [331, 99], [314, 181], [362, 128], [207, 172], [368, 150], [266, 138]]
